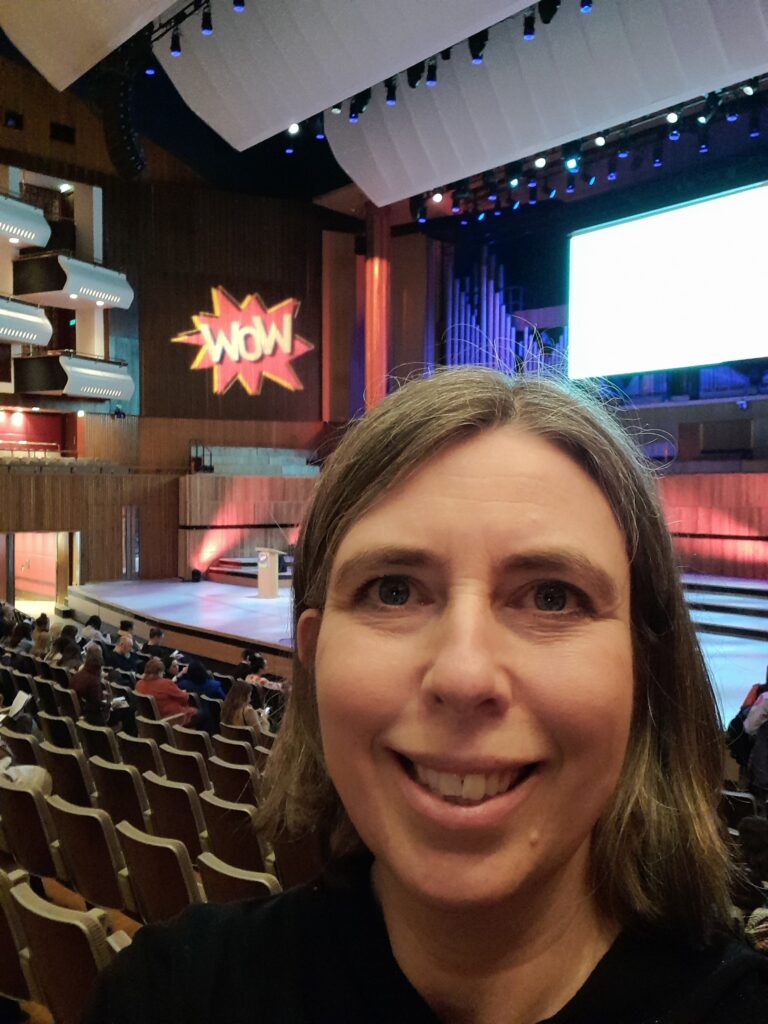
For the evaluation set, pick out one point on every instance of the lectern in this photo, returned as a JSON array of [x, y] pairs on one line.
[[269, 562]]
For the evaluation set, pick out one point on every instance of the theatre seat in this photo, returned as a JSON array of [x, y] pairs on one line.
[[193, 739], [161, 874], [185, 766], [158, 730], [29, 831], [92, 854], [141, 752], [735, 805], [59, 731], [244, 733], [176, 812], [232, 834], [236, 782], [67, 702], [25, 748], [224, 883], [121, 792], [234, 751], [146, 706], [66, 949], [13, 981], [71, 774], [98, 741], [45, 697]]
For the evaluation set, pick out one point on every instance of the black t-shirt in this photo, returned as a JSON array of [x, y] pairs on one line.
[[320, 955]]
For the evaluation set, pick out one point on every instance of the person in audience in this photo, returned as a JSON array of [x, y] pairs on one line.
[[21, 638], [65, 651], [7, 616], [195, 678], [503, 731], [251, 663], [95, 696], [237, 708], [92, 631], [123, 657], [41, 636], [170, 699], [126, 630], [154, 646]]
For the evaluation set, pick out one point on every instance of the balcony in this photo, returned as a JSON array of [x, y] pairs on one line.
[[70, 375], [52, 279], [22, 224], [23, 323]]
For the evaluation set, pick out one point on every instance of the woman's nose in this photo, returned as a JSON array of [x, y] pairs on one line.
[[466, 671]]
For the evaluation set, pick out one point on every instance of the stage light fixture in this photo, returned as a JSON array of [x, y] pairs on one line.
[[572, 156], [497, 208], [588, 177], [35, 408], [437, 196], [318, 127], [516, 204], [600, 140], [391, 87], [623, 151], [731, 114], [294, 128], [206, 20], [421, 216], [658, 155], [238, 5], [533, 183], [175, 42], [14, 241], [477, 44], [704, 140], [613, 173], [674, 134], [754, 125], [481, 215], [463, 222], [548, 9], [533, 196], [81, 414], [359, 103], [446, 53], [353, 116], [149, 68], [489, 181], [750, 88], [711, 104], [529, 26], [570, 183], [336, 108], [65, 188], [432, 72], [415, 73], [289, 150], [455, 204], [586, 6], [540, 162], [512, 174], [552, 192], [673, 117]]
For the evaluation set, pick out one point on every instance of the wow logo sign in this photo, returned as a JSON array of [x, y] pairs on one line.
[[247, 342]]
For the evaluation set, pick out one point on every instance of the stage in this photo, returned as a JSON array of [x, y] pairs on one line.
[[215, 620]]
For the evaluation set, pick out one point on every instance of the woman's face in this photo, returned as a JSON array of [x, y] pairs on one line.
[[474, 670]]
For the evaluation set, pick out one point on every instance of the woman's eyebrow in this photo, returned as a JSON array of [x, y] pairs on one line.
[[376, 559], [574, 564]]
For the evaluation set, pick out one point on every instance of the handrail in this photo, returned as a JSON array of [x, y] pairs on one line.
[[72, 353]]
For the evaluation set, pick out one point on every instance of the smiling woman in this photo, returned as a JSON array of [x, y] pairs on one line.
[[502, 731]]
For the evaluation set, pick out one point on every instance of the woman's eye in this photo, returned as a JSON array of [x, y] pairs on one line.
[[393, 590], [552, 597]]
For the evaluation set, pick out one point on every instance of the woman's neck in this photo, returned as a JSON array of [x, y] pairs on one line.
[[516, 963]]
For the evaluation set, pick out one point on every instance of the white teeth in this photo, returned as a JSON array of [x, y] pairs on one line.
[[471, 788]]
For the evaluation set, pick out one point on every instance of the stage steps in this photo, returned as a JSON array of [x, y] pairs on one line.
[[729, 606]]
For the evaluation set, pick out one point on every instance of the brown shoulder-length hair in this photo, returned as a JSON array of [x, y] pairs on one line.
[[657, 852]]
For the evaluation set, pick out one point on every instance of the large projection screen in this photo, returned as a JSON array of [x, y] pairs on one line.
[[685, 286]]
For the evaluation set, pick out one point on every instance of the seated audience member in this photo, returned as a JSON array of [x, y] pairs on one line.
[[170, 699], [92, 631], [237, 708], [123, 657], [41, 636], [126, 629], [503, 731], [95, 696], [154, 646], [251, 663], [21, 638], [7, 616], [65, 651], [195, 678]]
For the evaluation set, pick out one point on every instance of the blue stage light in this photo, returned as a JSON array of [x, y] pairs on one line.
[[176, 42], [586, 6], [206, 21], [674, 135]]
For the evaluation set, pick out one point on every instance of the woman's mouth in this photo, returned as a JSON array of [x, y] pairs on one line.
[[470, 788]]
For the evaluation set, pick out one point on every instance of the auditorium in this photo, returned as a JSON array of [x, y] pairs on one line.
[[384, 511]]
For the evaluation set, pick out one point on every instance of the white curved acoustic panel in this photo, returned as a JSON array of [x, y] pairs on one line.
[[581, 74], [280, 61], [24, 223], [93, 283], [21, 322]]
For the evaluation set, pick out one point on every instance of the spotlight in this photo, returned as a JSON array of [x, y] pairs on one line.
[[477, 44], [149, 69], [711, 105], [588, 177], [497, 208], [623, 151], [481, 215], [318, 127], [353, 116], [437, 196], [489, 180], [289, 150], [548, 9], [294, 128], [206, 21], [455, 204], [65, 188], [570, 185], [14, 241], [532, 183], [336, 108], [463, 222], [674, 134], [176, 42], [359, 103], [513, 172], [658, 154], [238, 5], [571, 163], [586, 6], [35, 408], [533, 196], [754, 125], [432, 71], [446, 54], [704, 140], [415, 73], [750, 88], [552, 192], [516, 204], [540, 162], [613, 173], [391, 86], [572, 156], [529, 26], [731, 114], [673, 117], [81, 414], [600, 140], [421, 216]]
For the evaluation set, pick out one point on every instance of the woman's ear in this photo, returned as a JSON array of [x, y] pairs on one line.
[[307, 632]]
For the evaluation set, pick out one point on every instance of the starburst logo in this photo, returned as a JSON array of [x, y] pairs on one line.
[[247, 342]]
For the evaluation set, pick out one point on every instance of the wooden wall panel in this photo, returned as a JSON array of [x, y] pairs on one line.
[[223, 516], [92, 503], [409, 303], [721, 521], [339, 311], [102, 437]]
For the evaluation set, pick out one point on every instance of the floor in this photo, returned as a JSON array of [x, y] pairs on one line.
[[735, 662]]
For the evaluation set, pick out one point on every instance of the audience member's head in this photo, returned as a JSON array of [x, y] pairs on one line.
[[753, 839], [68, 632], [256, 661], [196, 673], [153, 668], [126, 626], [94, 622], [239, 696], [171, 666], [42, 623], [94, 660], [71, 655], [21, 631], [156, 635], [124, 645]]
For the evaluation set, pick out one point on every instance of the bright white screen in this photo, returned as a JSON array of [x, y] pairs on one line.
[[683, 287]]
